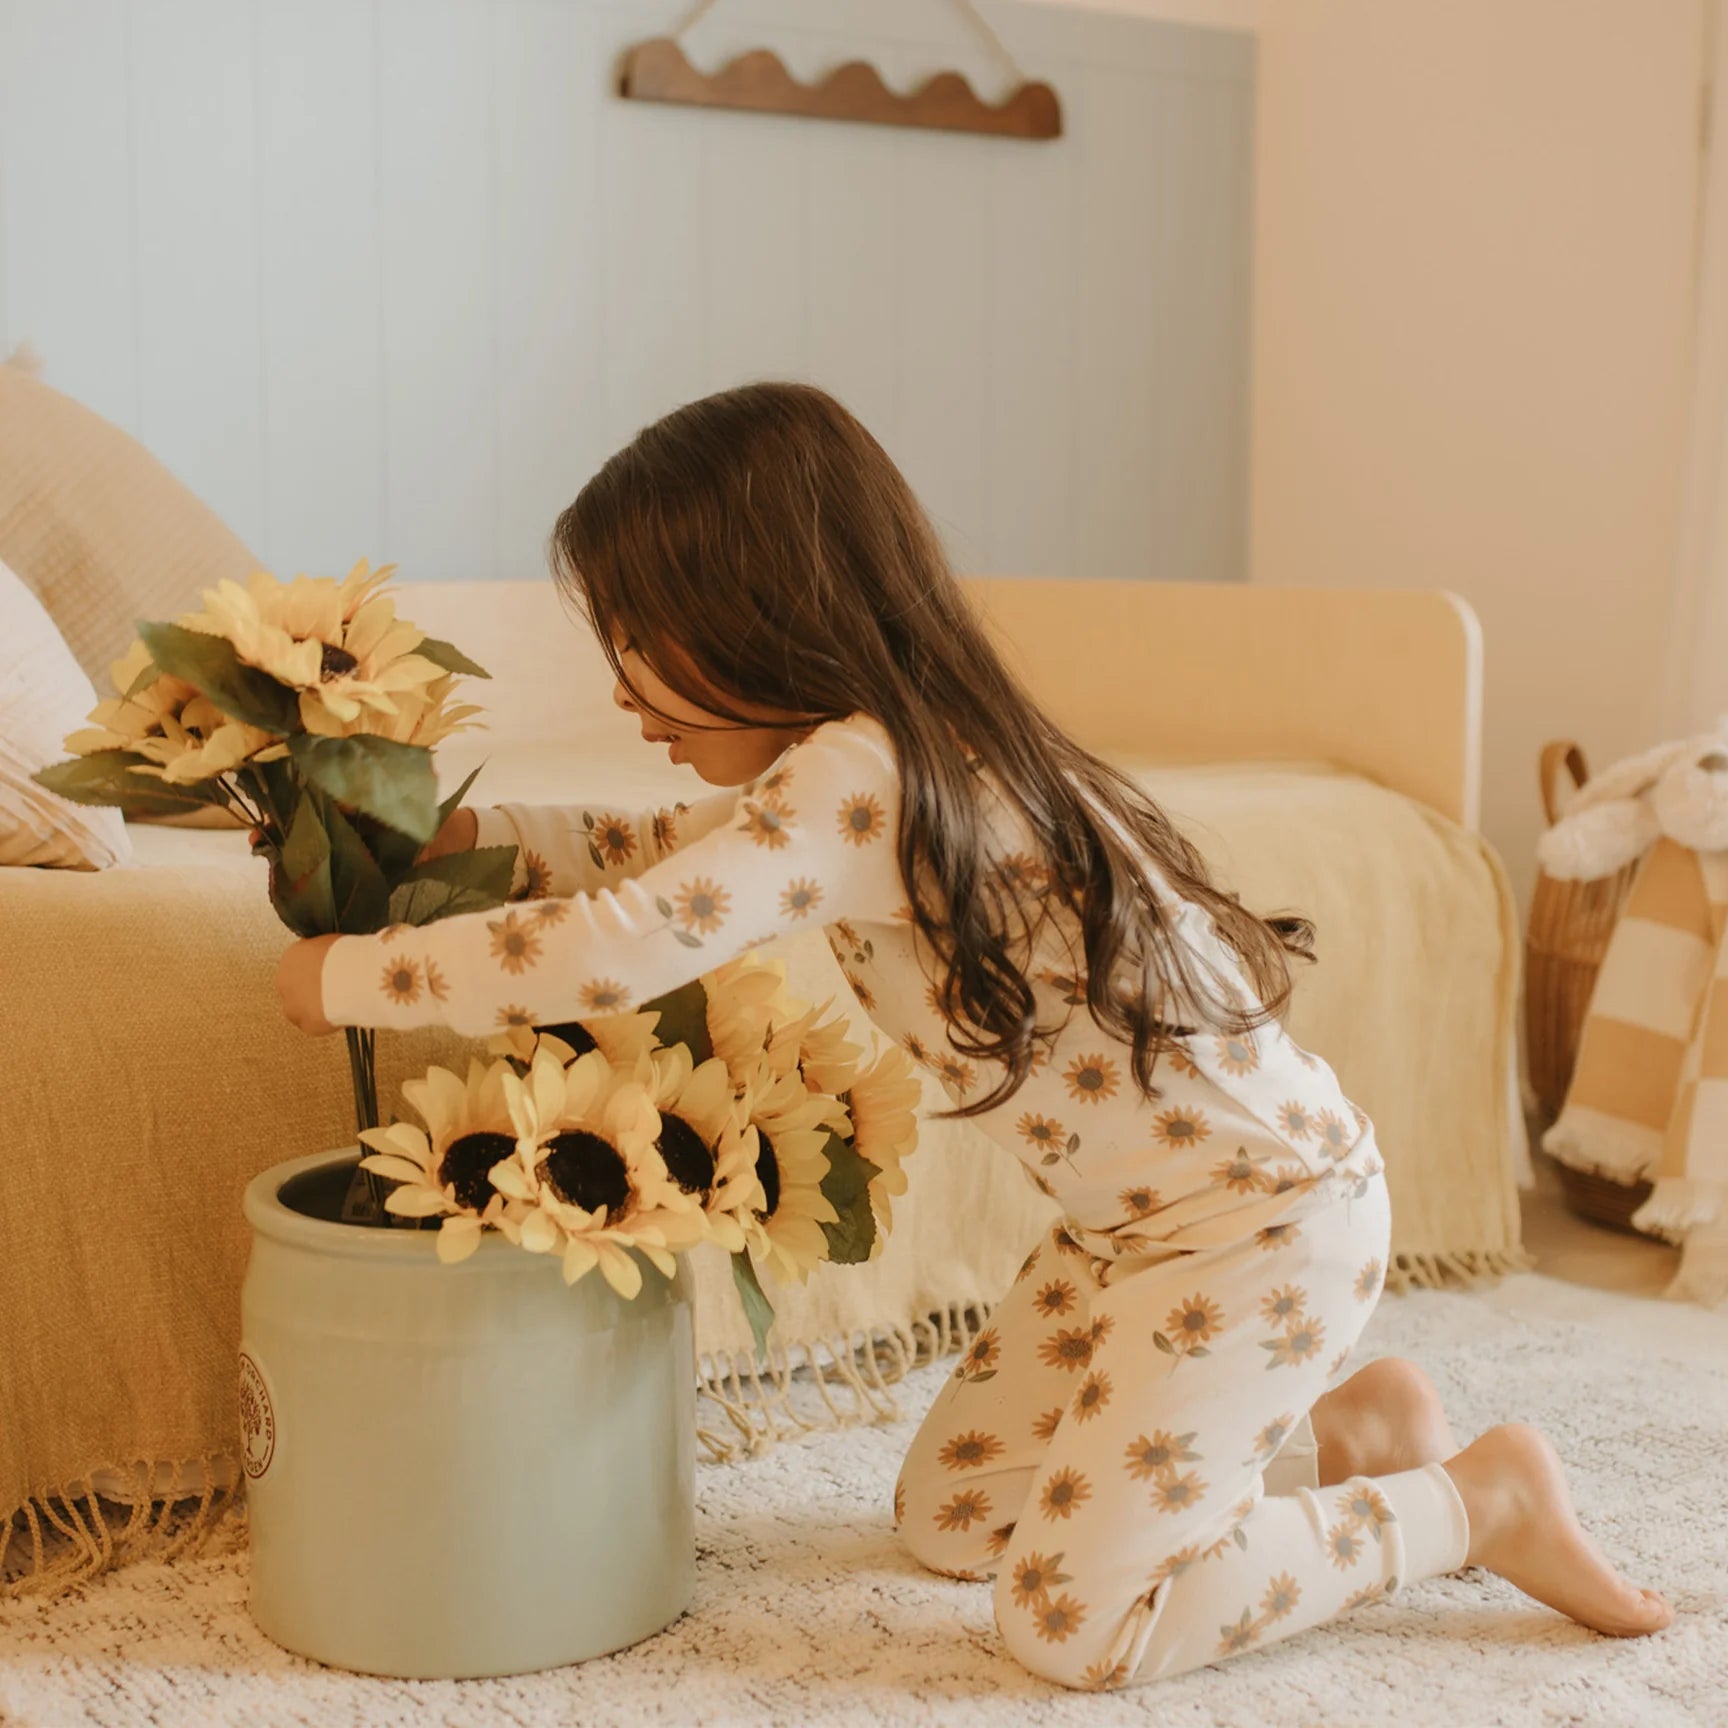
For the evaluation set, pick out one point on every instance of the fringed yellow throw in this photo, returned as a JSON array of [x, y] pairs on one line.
[[1649, 1096]]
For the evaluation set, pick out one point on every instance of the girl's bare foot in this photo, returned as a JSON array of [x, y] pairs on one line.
[[1523, 1527], [1385, 1418]]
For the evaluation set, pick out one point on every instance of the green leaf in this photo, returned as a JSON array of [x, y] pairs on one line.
[[451, 804], [686, 938], [357, 884], [684, 1020], [142, 682], [758, 1310], [846, 1187], [380, 778], [111, 777], [1163, 1343], [397, 852], [300, 875], [209, 663], [477, 880], [451, 659], [662, 905]]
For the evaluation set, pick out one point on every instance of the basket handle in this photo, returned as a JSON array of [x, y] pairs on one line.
[[1561, 753]]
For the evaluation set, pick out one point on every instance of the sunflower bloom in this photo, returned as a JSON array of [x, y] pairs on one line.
[[444, 1170], [1175, 1129], [1066, 1489], [1091, 1079], [970, 1451], [861, 818], [970, 1506]]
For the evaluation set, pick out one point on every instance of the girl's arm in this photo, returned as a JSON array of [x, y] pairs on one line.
[[814, 841], [563, 850]]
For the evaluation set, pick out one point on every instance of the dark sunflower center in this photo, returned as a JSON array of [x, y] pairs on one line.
[[1091, 1079], [466, 1163], [688, 1161], [586, 1171], [768, 1174], [1194, 1320], [335, 662], [577, 1036]]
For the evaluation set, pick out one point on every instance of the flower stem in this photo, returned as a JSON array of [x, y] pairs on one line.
[[364, 1203]]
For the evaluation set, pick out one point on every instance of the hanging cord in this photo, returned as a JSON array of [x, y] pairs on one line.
[[691, 19], [991, 37], [965, 7]]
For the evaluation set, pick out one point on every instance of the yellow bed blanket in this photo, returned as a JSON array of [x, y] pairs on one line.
[[148, 1076]]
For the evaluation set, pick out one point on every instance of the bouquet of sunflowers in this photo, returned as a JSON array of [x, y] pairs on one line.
[[724, 1112], [309, 711]]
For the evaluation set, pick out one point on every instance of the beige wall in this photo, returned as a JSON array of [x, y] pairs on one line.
[[1473, 255]]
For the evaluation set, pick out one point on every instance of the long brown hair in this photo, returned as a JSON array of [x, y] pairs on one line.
[[759, 547]]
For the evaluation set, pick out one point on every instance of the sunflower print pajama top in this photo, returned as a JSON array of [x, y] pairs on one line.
[[1125, 1449]]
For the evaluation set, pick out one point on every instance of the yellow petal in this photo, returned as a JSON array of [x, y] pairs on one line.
[[458, 1238], [416, 1202], [620, 1270], [386, 1164], [539, 1233]]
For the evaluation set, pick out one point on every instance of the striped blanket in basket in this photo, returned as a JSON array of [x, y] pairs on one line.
[[1649, 1096]]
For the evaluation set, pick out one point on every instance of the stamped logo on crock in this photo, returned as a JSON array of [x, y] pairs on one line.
[[257, 1419]]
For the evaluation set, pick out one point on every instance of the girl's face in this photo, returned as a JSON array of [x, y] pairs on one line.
[[722, 752]]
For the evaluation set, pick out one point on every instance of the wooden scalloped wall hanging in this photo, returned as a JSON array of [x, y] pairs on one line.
[[759, 83]]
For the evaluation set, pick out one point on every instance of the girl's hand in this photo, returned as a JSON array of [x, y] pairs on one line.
[[300, 984], [457, 835]]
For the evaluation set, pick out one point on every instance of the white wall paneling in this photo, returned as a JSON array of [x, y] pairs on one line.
[[392, 277]]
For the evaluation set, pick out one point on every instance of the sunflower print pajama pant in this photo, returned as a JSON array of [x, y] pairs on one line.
[[1125, 1455]]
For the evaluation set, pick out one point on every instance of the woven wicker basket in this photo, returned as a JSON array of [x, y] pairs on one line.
[[1570, 923]]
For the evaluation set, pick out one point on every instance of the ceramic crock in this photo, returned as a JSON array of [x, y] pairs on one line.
[[456, 1471]]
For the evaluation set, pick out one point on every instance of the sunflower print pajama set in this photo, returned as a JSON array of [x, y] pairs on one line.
[[1125, 1448]]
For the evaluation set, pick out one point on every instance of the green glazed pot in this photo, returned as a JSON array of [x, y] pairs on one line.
[[456, 1471]]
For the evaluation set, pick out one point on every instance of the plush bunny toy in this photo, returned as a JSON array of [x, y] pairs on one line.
[[1680, 790]]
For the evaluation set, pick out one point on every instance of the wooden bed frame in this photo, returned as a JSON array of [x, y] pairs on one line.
[[1386, 683]]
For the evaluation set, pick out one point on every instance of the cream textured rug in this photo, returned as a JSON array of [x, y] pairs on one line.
[[808, 1613]]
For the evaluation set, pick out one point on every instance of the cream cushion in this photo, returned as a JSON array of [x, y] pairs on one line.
[[100, 531], [44, 694]]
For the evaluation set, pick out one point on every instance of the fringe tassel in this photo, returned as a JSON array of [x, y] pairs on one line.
[[77, 1532], [1678, 1204], [1469, 1268], [846, 1380]]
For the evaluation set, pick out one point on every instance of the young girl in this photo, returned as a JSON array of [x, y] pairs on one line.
[[1140, 1448]]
